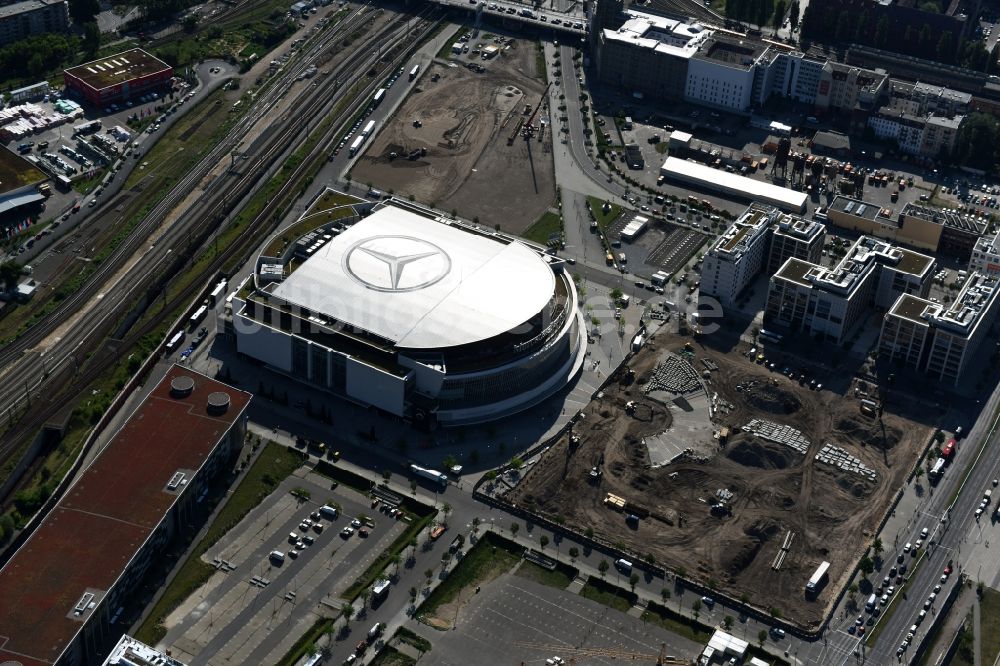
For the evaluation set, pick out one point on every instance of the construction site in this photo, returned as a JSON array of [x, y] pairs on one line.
[[737, 468], [471, 137]]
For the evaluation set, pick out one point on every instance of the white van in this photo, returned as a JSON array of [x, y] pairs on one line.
[[374, 632], [328, 512], [624, 300], [293, 537], [277, 556], [623, 565], [872, 600]]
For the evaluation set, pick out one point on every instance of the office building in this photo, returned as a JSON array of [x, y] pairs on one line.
[[941, 339], [32, 17], [830, 302], [986, 256], [761, 238]]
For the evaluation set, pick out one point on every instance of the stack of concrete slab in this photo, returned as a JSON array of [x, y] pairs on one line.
[[675, 375], [778, 433], [841, 459]]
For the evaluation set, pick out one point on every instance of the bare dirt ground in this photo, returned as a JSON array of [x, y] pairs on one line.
[[466, 118], [831, 512]]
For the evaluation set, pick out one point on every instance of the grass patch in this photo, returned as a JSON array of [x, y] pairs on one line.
[[445, 52], [390, 656], [540, 71], [605, 593], [673, 622], [307, 642], [273, 465], [989, 624], [410, 638], [548, 225], [604, 219], [560, 577], [488, 559], [662, 147]]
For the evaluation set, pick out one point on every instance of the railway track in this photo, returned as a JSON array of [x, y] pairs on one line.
[[70, 380]]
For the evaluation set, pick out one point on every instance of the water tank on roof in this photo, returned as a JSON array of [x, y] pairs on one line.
[[218, 402], [181, 386]]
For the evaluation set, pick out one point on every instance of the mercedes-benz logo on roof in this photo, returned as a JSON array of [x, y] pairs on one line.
[[396, 263]]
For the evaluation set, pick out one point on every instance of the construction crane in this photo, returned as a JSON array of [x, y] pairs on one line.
[[527, 127], [660, 659]]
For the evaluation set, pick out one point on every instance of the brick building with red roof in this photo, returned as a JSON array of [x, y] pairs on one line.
[[62, 587]]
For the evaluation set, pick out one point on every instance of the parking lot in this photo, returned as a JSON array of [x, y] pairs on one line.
[[514, 620], [661, 246], [257, 597]]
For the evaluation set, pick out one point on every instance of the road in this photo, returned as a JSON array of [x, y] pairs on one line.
[[88, 314]]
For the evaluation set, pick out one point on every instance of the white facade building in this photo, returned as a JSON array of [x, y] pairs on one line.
[[419, 316]]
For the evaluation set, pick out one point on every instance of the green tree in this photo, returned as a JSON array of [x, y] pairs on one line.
[[574, 552], [882, 31], [603, 567], [83, 11], [793, 15], [190, 23], [10, 273], [926, 37], [761, 637], [347, 610], [861, 28], [514, 527], [946, 47], [779, 13], [877, 546], [633, 580], [91, 38], [727, 622], [664, 594], [866, 565], [696, 608], [543, 541], [843, 30]]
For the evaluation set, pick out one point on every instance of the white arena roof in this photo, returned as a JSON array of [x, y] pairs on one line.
[[421, 283], [718, 180]]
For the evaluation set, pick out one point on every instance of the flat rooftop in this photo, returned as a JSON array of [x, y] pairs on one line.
[[722, 181], [948, 218], [798, 227], [660, 34], [795, 270], [17, 172], [735, 53], [420, 282], [117, 69], [90, 537], [913, 262], [855, 207], [16, 8], [912, 307]]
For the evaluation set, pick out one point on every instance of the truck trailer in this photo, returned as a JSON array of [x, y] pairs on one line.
[[816, 581]]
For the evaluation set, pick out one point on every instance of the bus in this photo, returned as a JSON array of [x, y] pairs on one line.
[[414, 71], [213, 297], [356, 145], [380, 590], [937, 471], [379, 96], [175, 342], [368, 129], [816, 581], [198, 315]]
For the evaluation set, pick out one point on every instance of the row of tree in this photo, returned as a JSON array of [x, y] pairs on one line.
[[763, 12], [834, 21], [978, 143]]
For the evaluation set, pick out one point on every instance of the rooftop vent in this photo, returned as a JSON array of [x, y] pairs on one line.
[[218, 402], [85, 602], [181, 387], [176, 481]]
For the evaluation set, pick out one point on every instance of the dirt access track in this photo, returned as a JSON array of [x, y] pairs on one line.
[[832, 513], [466, 118]]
